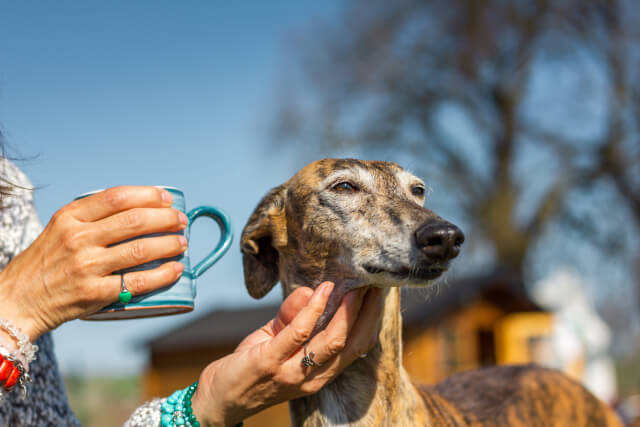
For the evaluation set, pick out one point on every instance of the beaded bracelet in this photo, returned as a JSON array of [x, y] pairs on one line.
[[12, 372], [177, 411], [25, 347]]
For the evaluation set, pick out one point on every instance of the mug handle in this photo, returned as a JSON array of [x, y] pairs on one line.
[[226, 236]]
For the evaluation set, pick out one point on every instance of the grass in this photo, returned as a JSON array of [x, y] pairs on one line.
[[103, 401], [628, 375]]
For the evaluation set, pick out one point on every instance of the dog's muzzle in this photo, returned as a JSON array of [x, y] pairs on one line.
[[439, 241]]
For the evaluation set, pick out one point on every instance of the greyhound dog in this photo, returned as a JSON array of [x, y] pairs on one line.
[[362, 223]]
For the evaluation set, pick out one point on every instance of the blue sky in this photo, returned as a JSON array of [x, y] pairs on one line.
[[96, 94], [149, 92]]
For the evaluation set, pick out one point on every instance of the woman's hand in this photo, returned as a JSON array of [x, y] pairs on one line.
[[266, 367], [66, 273]]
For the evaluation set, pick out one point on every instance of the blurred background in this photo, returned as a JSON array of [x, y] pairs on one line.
[[522, 116]]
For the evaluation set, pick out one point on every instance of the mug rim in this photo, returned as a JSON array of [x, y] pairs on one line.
[[90, 193]]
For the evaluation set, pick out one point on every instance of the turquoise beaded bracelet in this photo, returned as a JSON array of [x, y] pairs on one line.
[[177, 411]]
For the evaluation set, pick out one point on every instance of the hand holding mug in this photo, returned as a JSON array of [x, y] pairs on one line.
[[179, 296], [66, 273]]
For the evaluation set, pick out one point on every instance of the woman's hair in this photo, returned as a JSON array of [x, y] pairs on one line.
[[5, 186]]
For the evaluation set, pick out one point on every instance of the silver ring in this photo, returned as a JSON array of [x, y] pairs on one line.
[[307, 361]]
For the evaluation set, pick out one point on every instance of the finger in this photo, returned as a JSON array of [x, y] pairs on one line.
[[333, 338], [118, 199], [136, 222], [140, 251], [361, 340], [299, 330], [140, 282], [290, 307]]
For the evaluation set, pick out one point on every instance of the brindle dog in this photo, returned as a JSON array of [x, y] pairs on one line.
[[362, 223]]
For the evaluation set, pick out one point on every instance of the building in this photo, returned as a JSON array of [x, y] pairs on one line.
[[452, 327]]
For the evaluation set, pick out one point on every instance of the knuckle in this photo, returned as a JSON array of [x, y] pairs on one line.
[[136, 284], [115, 197], [293, 380], [137, 251], [267, 370], [79, 265], [300, 334], [132, 218], [267, 367], [336, 345], [60, 215], [71, 239], [318, 310]]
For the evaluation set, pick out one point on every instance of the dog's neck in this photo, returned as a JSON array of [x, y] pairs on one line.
[[374, 390]]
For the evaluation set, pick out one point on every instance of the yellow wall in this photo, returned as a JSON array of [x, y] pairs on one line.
[[520, 336], [428, 352]]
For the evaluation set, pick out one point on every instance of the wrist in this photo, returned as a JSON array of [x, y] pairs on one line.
[[209, 407], [207, 416], [12, 310]]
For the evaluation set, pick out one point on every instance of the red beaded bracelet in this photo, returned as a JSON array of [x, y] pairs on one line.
[[5, 368], [9, 373]]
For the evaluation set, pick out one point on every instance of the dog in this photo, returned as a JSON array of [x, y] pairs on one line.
[[362, 223]]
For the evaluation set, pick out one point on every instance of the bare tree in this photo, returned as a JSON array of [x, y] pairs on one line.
[[510, 105]]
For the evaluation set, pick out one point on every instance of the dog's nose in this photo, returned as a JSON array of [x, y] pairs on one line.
[[439, 240]]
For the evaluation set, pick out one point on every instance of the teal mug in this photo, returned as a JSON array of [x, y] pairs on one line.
[[179, 296]]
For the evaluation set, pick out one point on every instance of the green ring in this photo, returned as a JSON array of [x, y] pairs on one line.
[[124, 297]]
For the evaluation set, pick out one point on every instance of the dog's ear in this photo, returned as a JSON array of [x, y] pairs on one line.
[[265, 231]]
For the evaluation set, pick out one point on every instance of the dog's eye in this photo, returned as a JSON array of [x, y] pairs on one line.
[[344, 187], [417, 190]]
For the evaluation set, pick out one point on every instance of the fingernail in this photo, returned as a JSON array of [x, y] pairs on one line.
[[326, 288], [183, 241], [178, 267], [183, 218], [167, 198]]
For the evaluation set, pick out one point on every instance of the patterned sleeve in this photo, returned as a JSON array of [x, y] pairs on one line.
[[147, 415], [19, 223], [19, 226]]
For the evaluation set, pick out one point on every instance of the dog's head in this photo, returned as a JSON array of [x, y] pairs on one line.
[[349, 221]]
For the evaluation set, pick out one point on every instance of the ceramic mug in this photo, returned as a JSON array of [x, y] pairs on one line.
[[179, 296]]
